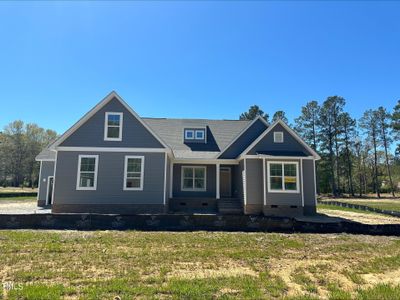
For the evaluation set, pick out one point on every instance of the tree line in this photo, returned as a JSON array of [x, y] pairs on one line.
[[358, 157], [20, 143]]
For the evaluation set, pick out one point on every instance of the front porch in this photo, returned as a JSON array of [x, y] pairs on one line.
[[205, 188]]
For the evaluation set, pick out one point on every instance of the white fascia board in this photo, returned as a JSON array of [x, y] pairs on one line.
[[206, 161], [113, 149]]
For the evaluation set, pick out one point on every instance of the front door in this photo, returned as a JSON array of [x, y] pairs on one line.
[[225, 182], [49, 197]]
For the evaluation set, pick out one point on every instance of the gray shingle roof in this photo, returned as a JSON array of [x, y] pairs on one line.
[[46, 154], [220, 133]]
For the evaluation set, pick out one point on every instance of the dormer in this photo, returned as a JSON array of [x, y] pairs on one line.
[[195, 135]]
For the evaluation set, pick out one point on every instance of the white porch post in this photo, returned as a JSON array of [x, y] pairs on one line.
[[217, 166], [264, 182], [171, 178]]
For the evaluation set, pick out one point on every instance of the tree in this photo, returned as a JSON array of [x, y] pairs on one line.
[[280, 115], [384, 134], [396, 124], [349, 128], [254, 112], [369, 123]]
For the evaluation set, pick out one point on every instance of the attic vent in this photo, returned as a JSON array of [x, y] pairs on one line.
[[278, 137]]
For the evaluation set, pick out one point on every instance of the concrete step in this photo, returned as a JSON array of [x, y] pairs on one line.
[[230, 206]]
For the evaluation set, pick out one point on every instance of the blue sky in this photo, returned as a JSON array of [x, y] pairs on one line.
[[195, 59]]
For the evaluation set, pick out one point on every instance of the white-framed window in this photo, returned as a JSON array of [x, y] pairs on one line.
[[278, 137], [199, 134], [189, 134], [113, 126], [283, 177], [133, 173], [193, 178], [87, 172]]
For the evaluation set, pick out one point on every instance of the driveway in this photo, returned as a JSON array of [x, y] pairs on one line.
[[21, 207]]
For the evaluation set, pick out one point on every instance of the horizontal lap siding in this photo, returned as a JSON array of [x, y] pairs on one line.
[[109, 180], [309, 186], [47, 169], [91, 133], [210, 186]]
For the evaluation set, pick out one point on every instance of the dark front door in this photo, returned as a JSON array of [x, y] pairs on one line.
[[225, 182], [50, 182]]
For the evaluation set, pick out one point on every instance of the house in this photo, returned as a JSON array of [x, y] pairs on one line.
[[114, 161]]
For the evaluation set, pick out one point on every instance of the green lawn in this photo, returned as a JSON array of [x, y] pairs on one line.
[[19, 198], [197, 265]]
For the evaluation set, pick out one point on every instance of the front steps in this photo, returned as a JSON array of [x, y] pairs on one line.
[[230, 206]]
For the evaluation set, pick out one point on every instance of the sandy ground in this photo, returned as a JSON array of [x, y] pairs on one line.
[[20, 207], [365, 218], [361, 200]]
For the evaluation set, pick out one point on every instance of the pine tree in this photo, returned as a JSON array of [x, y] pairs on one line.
[[253, 112]]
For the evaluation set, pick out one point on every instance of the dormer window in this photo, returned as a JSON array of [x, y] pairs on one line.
[[189, 134], [195, 135], [278, 137], [199, 134], [113, 126]]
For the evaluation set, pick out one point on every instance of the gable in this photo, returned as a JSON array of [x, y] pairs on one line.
[[290, 146], [244, 140], [91, 132]]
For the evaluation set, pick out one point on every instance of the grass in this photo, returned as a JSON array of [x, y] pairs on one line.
[[392, 204], [18, 198], [194, 265], [340, 208]]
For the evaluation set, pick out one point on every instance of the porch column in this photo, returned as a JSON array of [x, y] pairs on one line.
[[171, 178], [217, 179], [264, 182]]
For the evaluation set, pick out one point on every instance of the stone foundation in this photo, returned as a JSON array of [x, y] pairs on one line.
[[124, 209]]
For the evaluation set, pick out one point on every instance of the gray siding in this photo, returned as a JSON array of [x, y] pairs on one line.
[[109, 181], [210, 186], [239, 180], [47, 169], [289, 143], [244, 140], [254, 174], [91, 133], [284, 198], [309, 186]]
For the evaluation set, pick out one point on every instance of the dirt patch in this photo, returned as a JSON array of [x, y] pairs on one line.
[[392, 277], [364, 218], [200, 270]]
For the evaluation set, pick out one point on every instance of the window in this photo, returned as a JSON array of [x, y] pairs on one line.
[[133, 173], [199, 134], [87, 172], [193, 179], [283, 177], [113, 126], [189, 134], [278, 137]]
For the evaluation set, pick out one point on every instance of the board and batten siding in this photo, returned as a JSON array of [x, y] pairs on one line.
[[210, 182], [46, 170], [91, 133], [309, 187], [110, 180]]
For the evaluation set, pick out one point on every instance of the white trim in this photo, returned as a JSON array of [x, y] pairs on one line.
[[302, 183], [276, 135], [140, 188], [194, 189], [185, 133], [206, 161], [289, 130], [171, 178], [112, 149], [243, 131], [40, 180], [47, 190], [95, 109], [264, 181], [270, 190], [218, 173], [244, 178], [78, 177], [165, 177], [315, 182], [275, 157], [45, 159], [54, 174], [121, 123]]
